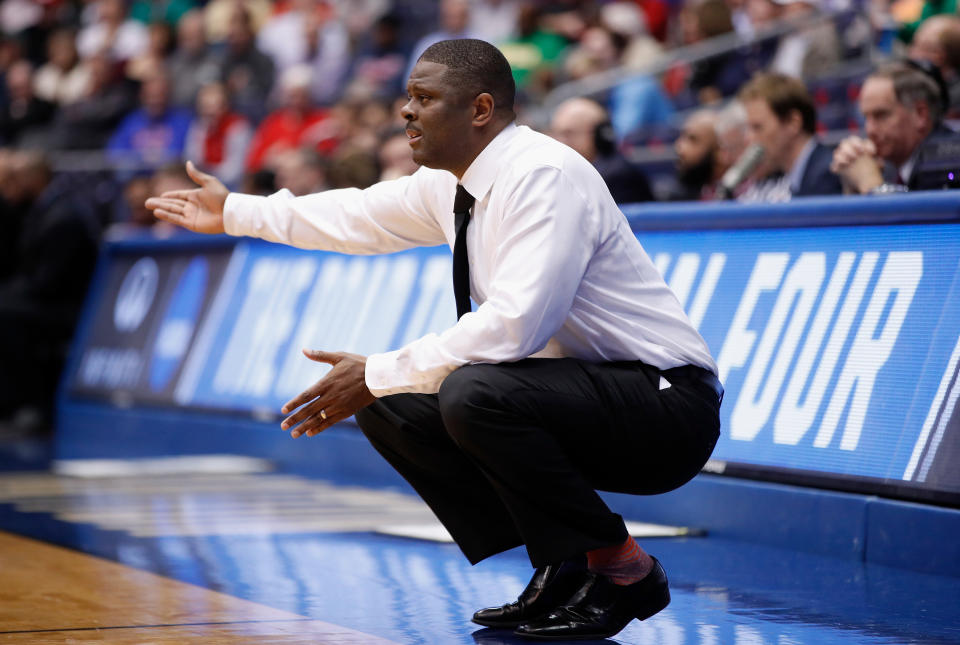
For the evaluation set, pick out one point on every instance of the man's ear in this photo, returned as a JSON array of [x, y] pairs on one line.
[[795, 119], [921, 112], [483, 106]]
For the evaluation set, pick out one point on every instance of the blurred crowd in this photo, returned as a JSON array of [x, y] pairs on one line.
[[101, 101]]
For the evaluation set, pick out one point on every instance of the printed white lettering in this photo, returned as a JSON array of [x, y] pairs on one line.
[[708, 284], [901, 274], [794, 419], [265, 322], [435, 309], [110, 367], [760, 389], [335, 319], [683, 275], [662, 262], [739, 341]]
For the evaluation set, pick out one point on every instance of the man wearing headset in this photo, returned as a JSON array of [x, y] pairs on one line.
[[902, 105], [585, 126]]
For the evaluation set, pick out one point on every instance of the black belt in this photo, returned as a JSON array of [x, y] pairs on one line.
[[694, 373]]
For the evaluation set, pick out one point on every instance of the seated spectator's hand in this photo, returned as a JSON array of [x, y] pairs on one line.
[[855, 161], [200, 209]]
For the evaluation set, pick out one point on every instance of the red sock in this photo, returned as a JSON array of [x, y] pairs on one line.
[[623, 564]]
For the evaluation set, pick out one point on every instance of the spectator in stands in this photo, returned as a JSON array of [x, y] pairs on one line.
[[927, 9], [218, 15], [112, 32], [902, 105], [300, 170], [494, 21], [812, 49], [709, 143], [156, 132], [87, 123], [191, 65], [937, 40], [309, 34], [359, 124], [781, 118], [55, 249], [716, 76], [63, 78], [159, 47], [454, 23], [585, 126], [247, 72], [697, 148], [395, 158], [218, 138], [628, 21], [534, 52], [168, 11], [170, 177], [353, 168], [134, 215], [24, 118], [380, 62], [297, 123], [635, 102]]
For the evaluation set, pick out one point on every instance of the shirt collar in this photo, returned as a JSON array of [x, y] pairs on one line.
[[795, 176], [479, 177], [907, 168]]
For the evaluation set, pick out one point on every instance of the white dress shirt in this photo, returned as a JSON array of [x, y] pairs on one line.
[[554, 267]]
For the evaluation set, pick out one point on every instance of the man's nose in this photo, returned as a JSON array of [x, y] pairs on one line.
[[407, 112]]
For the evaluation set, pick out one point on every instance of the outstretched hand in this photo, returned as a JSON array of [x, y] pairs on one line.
[[199, 209], [333, 398]]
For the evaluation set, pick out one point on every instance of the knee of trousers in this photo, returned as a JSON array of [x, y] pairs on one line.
[[469, 398], [371, 422]]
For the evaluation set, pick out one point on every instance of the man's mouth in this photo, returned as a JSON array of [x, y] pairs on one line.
[[413, 136]]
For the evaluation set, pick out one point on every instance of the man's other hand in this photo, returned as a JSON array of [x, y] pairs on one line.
[[333, 398], [199, 209]]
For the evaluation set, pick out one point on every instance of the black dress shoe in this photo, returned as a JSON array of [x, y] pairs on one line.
[[601, 608], [550, 587]]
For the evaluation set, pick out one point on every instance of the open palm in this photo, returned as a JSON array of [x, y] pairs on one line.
[[199, 209]]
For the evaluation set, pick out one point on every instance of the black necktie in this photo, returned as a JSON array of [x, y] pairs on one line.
[[461, 265]]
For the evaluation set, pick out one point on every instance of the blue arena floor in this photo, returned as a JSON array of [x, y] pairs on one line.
[[307, 546]]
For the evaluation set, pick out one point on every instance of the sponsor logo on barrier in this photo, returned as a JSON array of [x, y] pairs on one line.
[[135, 295]]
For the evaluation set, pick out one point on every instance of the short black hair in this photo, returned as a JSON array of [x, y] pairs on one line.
[[475, 66]]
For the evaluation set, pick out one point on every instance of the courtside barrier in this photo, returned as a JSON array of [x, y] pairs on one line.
[[835, 324]]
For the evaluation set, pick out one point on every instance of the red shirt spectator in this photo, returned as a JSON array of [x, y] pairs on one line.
[[298, 124]]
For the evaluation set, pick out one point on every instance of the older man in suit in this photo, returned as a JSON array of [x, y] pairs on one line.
[[902, 104]]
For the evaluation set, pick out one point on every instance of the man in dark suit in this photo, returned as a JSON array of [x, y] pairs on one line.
[[781, 118], [902, 104]]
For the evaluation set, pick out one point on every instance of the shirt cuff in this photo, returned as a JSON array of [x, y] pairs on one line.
[[239, 214], [379, 372]]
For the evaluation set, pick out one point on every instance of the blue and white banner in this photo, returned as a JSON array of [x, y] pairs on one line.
[[838, 347]]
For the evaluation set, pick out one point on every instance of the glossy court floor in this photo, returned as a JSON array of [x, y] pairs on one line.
[[283, 557]]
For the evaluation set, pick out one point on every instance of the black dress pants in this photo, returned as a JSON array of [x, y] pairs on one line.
[[513, 453]]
